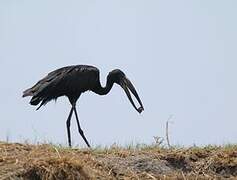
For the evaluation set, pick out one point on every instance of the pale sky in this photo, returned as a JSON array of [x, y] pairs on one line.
[[180, 55]]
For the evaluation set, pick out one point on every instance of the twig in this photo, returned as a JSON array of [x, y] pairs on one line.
[[150, 176], [57, 152], [167, 131], [158, 140], [183, 175]]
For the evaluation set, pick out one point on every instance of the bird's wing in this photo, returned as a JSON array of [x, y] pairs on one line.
[[42, 91], [41, 84], [55, 83], [49, 88]]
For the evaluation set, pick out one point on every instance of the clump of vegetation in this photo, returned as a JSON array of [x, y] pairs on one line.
[[48, 162]]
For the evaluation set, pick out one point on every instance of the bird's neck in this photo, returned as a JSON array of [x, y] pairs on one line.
[[104, 90]]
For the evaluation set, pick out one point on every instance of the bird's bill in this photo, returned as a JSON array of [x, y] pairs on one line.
[[128, 86]]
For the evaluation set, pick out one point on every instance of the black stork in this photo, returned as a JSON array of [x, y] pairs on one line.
[[72, 81]]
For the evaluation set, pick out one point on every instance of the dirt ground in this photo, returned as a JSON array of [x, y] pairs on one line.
[[48, 162]]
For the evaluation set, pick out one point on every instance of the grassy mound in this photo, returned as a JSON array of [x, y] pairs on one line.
[[48, 162]]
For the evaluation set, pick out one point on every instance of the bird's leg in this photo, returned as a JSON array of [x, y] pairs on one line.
[[79, 128], [68, 123]]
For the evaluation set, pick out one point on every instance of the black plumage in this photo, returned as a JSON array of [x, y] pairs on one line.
[[71, 81]]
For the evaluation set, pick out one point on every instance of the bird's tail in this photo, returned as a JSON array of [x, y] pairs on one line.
[[28, 92]]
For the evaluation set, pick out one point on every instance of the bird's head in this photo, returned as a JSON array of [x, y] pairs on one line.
[[117, 76]]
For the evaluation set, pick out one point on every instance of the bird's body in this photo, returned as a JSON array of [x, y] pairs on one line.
[[68, 81], [71, 81]]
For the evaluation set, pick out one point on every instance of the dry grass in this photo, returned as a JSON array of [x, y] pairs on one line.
[[48, 162]]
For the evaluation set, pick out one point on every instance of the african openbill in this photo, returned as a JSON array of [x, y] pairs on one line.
[[71, 81]]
